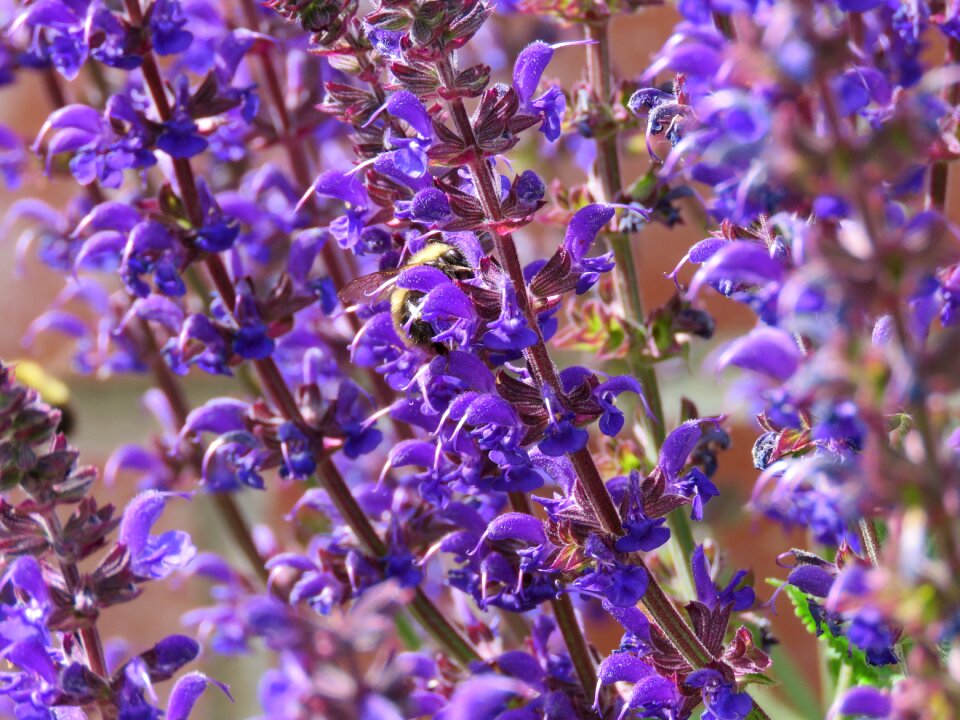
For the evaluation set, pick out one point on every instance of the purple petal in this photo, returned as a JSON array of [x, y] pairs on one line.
[[412, 452], [490, 410], [26, 574], [67, 141], [584, 226], [149, 236], [186, 692], [170, 654], [623, 667], [739, 263], [521, 665], [130, 457], [706, 590], [75, 117], [632, 619], [765, 350], [706, 249], [677, 448], [219, 416], [109, 215], [811, 579], [867, 701], [515, 526], [446, 301], [346, 188], [406, 106], [529, 67], [422, 278], [158, 309], [139, 517], [58, 321], [652, 690]]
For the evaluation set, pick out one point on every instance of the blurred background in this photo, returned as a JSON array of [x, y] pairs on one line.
[[110, 413]]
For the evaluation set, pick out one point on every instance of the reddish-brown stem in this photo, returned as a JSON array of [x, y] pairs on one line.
[[545, 372], [227, 506], [279, 394], [937, 195], [538, 359], [299, 166], [89, 634]]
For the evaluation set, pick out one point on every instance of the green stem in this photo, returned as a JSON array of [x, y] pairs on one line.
[[628, 286], [844, 679]]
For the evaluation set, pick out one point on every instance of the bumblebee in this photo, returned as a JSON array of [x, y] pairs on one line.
[[406, 305], [51, 390]]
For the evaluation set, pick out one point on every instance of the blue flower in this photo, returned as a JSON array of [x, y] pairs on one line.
[[870, 632], [180, 137]]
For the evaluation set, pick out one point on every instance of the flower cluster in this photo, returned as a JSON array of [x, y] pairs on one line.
[[49, 606], [332, 202]]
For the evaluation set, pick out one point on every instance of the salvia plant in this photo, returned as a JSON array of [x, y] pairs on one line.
[[340, 206]]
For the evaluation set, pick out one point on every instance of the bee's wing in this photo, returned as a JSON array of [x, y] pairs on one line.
[[366, 287]]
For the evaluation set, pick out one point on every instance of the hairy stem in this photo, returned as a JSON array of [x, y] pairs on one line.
[[565, 615], [280, 395], [544, 371], [298, 161]]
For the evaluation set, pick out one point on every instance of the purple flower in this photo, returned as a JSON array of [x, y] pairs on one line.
[[766, 350], [740, 598], [583, 229], [152, 556], [180, 137], [527, 71], [720, 697], [866, 702], [167, 31], [186, 691], [232, 461], [871, 633], [510, 331]]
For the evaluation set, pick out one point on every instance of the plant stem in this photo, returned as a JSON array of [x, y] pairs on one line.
[[297, 159], [628, 288], [280, 395], [545, 373], [566, 617], [937, 194], [574, 638], [226, 504], [869, 539]]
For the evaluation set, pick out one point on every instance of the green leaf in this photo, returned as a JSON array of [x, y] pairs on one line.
[[757, 679], [839, 650]]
